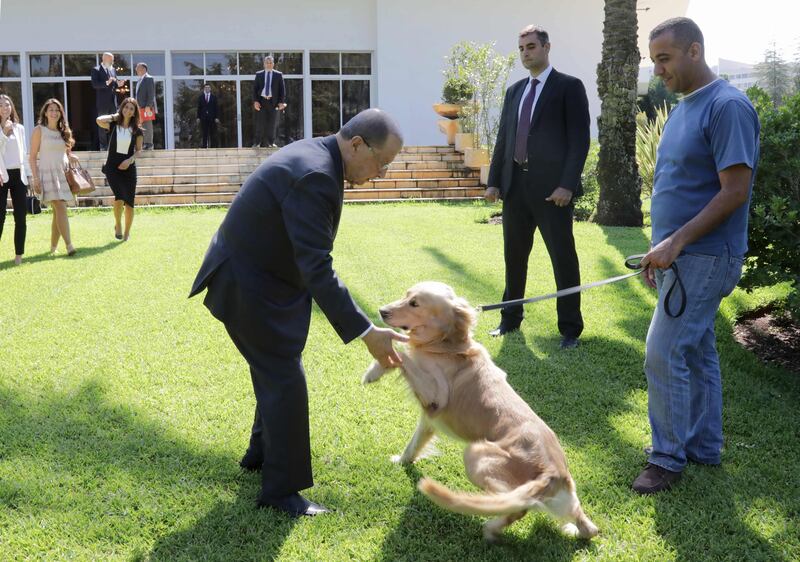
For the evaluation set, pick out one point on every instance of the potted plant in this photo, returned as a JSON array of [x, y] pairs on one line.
[[487, 72]]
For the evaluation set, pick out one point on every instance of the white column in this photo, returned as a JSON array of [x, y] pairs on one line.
[[307, 130], [169, 130]]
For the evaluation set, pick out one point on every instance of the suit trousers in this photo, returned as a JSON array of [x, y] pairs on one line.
[[18, 195], [525, 210], [266, 123], [103, 136], [147, 127], [208, 127], [280, 428]]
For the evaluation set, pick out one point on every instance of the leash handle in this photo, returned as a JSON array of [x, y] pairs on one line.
[[635, 262]]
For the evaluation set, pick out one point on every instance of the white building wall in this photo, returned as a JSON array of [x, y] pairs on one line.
[[415, 35], [410, 38]]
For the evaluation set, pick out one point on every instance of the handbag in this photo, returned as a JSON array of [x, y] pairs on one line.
[[32, 204], [79, 180], [146, 115]]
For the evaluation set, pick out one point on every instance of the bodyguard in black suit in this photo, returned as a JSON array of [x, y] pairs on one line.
[[270, 257], [536, 169], [104, 82], [207, 116], [269, 99]]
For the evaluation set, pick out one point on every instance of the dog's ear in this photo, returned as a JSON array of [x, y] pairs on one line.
[[464, 319]]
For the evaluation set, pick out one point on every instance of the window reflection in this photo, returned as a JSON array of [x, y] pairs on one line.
[[324, 63], [14, 91], [9, 66], [187, 64], [355, 98], [45, 65], [325, 108]]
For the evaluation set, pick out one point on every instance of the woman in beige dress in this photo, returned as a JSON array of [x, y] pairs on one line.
[[51, 145]]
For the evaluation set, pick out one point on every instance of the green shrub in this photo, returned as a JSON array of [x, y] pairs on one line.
[[774, 233], [586, 205], [648, 135], [457, 90]]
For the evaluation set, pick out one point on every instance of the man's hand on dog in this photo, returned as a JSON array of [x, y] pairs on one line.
[[379, 343]]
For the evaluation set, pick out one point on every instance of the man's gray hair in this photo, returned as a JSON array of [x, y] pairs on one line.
[[372, 125], [269, 58], [107, 54], [684, 32], [541, 34]]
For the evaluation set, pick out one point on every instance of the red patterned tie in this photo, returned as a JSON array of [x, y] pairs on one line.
[[524, 125]]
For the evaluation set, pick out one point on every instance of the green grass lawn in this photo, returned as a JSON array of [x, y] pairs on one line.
[[124, 407]]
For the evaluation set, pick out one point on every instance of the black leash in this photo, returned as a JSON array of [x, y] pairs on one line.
[[631, 262]]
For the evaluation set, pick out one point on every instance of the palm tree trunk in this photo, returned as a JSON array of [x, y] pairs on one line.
[[620, 201]]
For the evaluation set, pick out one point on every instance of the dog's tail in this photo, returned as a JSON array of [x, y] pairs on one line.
[[523, 498]]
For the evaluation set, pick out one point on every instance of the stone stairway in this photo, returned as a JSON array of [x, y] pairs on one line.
[[214, 176]]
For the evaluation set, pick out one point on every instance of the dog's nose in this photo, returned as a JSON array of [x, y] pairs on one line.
[[385, 313]]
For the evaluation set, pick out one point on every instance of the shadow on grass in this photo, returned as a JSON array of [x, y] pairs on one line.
[[427, 532], [83, 252], [475, 284], [133, 474], [583, 393]]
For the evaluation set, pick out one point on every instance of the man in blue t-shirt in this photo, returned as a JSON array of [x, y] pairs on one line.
[[704, 175]]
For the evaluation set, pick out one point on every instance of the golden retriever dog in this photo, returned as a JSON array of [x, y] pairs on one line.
[[511, 453]]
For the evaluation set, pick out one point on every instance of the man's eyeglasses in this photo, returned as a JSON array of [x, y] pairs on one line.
[[384, 167]]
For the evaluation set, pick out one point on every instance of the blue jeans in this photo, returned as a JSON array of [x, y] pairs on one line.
[[684, 384]]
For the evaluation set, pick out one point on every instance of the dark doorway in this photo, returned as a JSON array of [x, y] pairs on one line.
[[81, 112]]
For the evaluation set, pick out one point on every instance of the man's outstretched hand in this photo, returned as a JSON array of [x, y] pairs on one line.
[[379, 343]]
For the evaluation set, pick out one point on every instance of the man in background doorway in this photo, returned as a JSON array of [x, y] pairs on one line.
[[105, 84], [269, 98], [207, 116], [146, 98]]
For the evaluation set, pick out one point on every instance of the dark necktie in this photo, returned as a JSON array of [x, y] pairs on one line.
[[524, 125], [269, 83]]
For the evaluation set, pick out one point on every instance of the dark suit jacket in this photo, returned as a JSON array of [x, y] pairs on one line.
[[272, 252], [105, 95], [277, 87], [558, 141], [207, 111], [146, 92]]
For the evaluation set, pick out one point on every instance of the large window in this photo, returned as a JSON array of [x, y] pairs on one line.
[[340, 88], [67, 77], [232, 78], [10, 83]]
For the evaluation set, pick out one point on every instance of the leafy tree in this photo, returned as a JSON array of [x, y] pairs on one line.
[[774, 75], [620, 201], [774, 233]]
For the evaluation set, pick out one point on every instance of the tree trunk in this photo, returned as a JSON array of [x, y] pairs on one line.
[[620, 202]]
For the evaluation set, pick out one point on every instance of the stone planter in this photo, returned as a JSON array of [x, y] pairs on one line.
[[449, 127], [448, 110], [484, 180], [463, 141], [475, 157]]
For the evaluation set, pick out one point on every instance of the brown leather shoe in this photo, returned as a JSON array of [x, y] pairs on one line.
[[654, 479]]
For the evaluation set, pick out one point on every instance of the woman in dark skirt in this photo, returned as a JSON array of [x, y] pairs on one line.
[[124, 145]]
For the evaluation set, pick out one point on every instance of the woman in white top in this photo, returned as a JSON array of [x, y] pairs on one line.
[[51, 145], [124, 145], [13, 172]]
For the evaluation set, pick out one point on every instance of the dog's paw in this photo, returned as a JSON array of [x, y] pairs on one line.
[[570, 530], [400, 459], [374, 373]]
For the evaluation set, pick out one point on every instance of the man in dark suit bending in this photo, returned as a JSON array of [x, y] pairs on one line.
[[270, 257], [536, 168], [269, 99]]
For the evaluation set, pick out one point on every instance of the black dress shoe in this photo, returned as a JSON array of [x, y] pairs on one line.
[[502, 330], [568, 342], [293, 504], [252, 460], [654, 479]]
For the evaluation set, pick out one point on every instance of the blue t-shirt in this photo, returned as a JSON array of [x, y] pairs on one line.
[[711, 129]]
